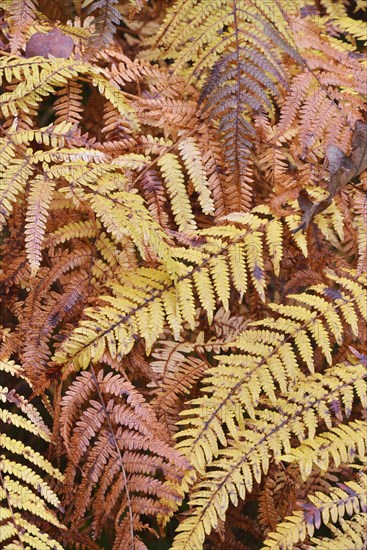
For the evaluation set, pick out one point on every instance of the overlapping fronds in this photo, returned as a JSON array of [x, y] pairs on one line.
[[183, 216], [147, 299], [340, 444], [272, 354], [351, 531], [26, 497], [22, 15], [44, 76], [349, 498], [230, 438], [326, 98], [236, 48], [252, 442], [180, 365], [200, 32]]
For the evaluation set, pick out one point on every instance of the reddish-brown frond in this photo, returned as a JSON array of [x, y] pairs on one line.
[[43, 310], [179, 368], [68, 106], [105, 18], [39, 200], [22, 16], [155, 195], [112, 435], [116, 127]]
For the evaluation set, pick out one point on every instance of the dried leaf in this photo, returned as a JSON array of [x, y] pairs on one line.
[[53, 43], [335, 157], [342, 170]]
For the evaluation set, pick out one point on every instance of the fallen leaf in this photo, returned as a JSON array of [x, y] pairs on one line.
[[53, 43]]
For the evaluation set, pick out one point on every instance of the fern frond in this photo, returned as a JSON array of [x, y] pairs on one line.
[[54, 135], [191, 157], [68, 106], [25, 494], [360, 222], [145, 299], [39, 201], [344, 23], [349, 497], [73, 230], [12, 182], [44, 309], [21, 17], [180, 365], [351, 531], [343, 443], [196, 31], [175, 184], [105, 20], [277, 498], [178, 369], [125, 214], [155, 196], [250, 443], [120, 468]]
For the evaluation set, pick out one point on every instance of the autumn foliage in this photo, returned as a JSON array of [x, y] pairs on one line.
[[183, 258]]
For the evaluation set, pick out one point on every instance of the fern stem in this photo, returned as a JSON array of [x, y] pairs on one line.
[[131, 520]]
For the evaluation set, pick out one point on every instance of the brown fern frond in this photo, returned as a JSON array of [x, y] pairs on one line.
[[68, 106], [119, 469], [179, 372], [60, 10], [105, 18], [155, 195], [116, 127], [277, 498], [39, 201], [21, 17], [44, 310]]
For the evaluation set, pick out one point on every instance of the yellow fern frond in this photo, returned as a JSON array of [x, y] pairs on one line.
[[25, 495], [13, 180], [54, 135], [341, 443], [352, 531], [229, 463], [175, 184], [192, 159], [349, 497]]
